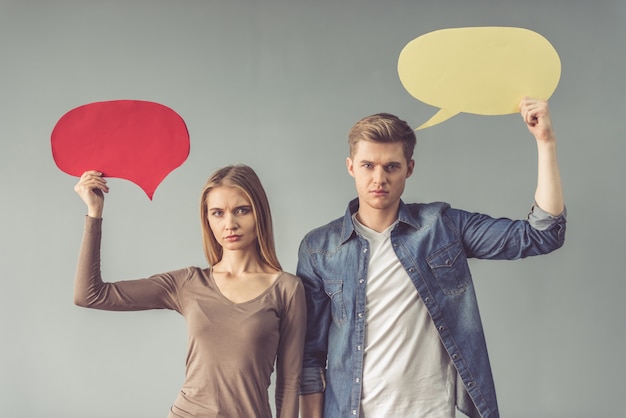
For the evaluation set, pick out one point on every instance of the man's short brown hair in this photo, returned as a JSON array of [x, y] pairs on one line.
[[383, 127]]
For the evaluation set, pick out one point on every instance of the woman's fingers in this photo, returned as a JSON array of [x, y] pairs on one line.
[[90, 181]]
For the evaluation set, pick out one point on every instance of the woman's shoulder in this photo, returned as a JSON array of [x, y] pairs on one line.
[[288, 282], [189, 274], [287, 277]]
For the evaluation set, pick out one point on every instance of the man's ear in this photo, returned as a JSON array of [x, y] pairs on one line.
[[350, 166], [409, 169]]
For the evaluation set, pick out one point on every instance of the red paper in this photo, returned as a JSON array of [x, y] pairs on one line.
[[130, 139]]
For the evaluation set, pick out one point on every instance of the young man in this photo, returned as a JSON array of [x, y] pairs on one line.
[[393, 322]]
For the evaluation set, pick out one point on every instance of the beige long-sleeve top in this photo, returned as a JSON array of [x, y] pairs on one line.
[[232, 347]]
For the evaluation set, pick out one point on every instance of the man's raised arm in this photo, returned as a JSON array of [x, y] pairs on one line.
[[549, 192]]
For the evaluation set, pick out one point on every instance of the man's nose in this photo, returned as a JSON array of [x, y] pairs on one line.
[[379, 175]]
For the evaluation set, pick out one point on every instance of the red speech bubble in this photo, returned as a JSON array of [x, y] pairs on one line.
[[130, 139]]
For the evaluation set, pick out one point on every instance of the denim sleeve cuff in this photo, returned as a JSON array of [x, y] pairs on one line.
[[542, 220], [313, 380]]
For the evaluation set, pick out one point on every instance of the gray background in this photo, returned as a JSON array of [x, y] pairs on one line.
[[277, 84]]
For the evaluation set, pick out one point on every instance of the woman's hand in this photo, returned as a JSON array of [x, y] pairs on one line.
[[91, 188]]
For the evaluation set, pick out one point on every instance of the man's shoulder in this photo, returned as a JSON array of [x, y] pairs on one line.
[[423, 211], [428, 207], [329, 229]]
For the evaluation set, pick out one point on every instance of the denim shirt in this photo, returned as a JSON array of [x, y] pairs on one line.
[[432, 242]]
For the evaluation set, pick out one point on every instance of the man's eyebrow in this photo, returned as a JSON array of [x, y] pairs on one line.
[[393, 162]]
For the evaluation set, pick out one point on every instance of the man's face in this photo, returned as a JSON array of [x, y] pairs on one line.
[[380, 171]]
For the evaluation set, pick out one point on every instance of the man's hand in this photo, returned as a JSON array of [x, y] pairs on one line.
[[536, 115], [312, 405]]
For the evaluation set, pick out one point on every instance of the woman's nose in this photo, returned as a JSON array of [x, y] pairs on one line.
[[231, 223]]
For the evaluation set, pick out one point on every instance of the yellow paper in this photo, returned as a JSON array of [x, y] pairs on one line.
[[479, 70]]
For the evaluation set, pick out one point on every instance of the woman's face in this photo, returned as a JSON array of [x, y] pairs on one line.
[[231, 219]]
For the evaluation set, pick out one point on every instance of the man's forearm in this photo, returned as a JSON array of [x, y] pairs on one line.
[[549, 193]]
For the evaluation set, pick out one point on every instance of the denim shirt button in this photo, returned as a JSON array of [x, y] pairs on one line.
[[441, 327], [354, 412], [357, 380], [358, 347], [411, 270], [364, 250], [426, 300], [360, 315], [455, 356], [361, 281]]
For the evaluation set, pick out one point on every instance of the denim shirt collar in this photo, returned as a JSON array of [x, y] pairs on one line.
[[347, 230]]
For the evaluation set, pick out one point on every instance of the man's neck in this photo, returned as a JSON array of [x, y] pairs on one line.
[[376, 219]]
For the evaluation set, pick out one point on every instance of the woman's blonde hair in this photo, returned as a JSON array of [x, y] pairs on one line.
[[245, 179]]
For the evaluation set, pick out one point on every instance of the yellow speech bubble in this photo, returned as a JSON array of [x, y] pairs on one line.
[[479, 70]]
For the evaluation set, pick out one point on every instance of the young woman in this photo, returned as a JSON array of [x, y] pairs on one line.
[[243, 313]]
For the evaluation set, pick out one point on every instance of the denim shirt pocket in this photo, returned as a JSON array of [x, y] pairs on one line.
[[450, 269], [334, 290]]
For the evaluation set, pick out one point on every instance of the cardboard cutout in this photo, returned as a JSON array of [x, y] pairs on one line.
[[480, 70], [135, 140]]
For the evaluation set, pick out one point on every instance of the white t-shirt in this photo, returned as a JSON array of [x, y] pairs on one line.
[[406, 370]]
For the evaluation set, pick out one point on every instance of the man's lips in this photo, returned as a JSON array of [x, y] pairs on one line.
[[379, 192]]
